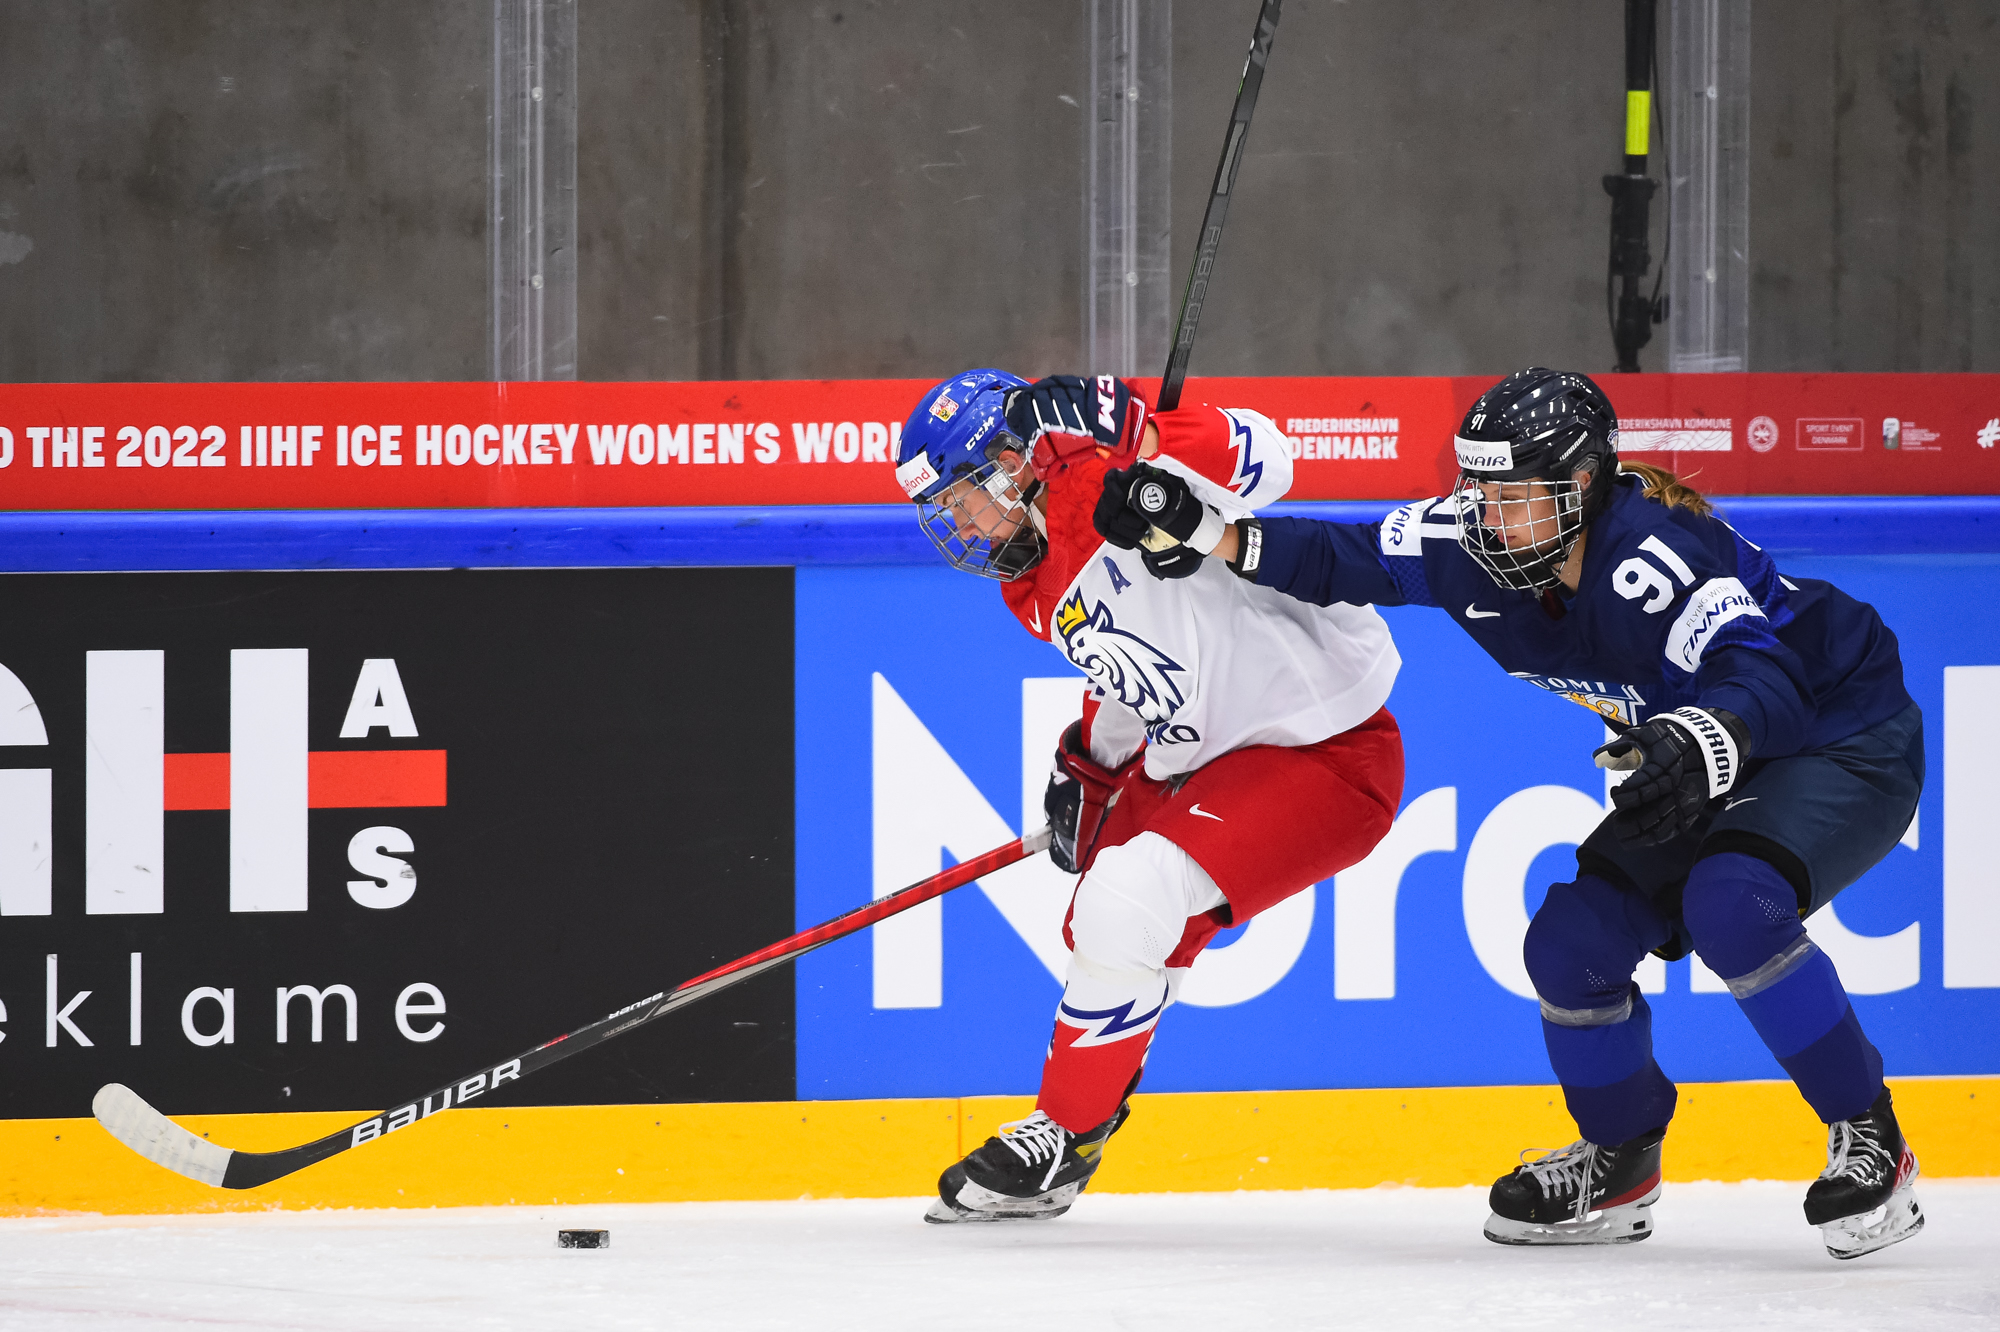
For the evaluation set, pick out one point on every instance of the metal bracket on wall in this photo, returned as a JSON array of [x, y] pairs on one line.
[[1708, 170], [531, 209], [1127, 180]]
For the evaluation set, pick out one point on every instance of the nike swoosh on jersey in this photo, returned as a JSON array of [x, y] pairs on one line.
[[1200, 813], [1472, 612], [1734, 803], [1037, 610]]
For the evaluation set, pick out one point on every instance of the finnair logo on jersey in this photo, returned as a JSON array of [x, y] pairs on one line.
[[1399, 530], [1402, 532], [1719, 601]]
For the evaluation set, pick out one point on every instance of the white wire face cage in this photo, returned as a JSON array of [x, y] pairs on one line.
[[1544, 517], [981, 522]]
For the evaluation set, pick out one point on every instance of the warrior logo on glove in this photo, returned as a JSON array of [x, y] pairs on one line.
[[1679, 761]]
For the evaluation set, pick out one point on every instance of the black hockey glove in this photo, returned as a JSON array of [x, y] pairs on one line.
[[1679, 761], [1115, 520], [1176, 561], [1078, 794], [1162, 515], [1064, 415]]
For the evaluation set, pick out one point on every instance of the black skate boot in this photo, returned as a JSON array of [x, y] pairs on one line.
[[1583, 1194], [1034, 1168], [1866, 1197]]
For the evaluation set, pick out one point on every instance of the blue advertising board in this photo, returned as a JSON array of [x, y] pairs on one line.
[[925, 717]]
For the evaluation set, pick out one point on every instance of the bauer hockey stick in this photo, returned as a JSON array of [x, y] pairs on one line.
[[1218, 208], [127, 1117]]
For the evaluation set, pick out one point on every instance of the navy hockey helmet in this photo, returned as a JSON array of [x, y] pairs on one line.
[[1520, 449], [972, 506]]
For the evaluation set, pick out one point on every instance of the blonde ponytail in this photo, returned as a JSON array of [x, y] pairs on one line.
[[1667, 488]]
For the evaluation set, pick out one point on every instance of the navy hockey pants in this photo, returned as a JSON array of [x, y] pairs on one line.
[[1794, 833]]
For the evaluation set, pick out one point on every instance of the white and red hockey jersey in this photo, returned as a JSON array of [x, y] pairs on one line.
[[1196, 667]]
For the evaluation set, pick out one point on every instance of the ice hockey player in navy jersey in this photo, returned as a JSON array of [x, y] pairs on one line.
[[1174, 794], [1773, 756]]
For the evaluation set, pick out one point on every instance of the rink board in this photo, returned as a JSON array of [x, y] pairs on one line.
[[1200, 1142], [911, 754], [871, 716]]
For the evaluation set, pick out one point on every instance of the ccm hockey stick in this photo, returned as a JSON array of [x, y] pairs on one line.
[[152, 1135], [1218, 207]]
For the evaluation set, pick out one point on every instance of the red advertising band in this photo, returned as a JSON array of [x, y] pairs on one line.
[[127, 1117], [152, 447]]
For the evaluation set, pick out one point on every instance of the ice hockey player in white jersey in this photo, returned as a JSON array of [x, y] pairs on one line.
[[1215, 712]]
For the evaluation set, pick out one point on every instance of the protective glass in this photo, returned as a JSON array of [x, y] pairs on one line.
[[981, 522], [1521, 532]]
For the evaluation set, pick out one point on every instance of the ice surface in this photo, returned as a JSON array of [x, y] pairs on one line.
[[1730, 1256]]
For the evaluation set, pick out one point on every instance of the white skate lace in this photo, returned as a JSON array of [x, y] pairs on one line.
[[1854, 1150], [1035, 1138], [1566, 1171]]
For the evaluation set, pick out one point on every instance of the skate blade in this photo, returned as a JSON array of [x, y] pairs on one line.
[[975, 1203], [1614, 1225], [1891, 1223], [942, 1213]]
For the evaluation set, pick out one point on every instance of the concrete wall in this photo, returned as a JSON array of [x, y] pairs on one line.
[[776, 188], [242, 189]]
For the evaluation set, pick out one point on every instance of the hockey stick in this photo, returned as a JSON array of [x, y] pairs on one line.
[[1218, 207], [152, 1135]]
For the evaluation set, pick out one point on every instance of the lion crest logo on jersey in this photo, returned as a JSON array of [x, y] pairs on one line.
[[1123, 664]]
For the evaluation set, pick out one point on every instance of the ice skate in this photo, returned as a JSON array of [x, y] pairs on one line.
[[1583, 1194], [1866, 1197], [1033, 1169]]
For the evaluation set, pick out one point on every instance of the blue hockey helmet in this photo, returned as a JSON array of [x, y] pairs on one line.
[[973, 507]]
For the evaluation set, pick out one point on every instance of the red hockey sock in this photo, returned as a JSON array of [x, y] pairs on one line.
[[1090, 1067]]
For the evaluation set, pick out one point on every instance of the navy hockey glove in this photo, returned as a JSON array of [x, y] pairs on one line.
[[1079, 792], [1065, 415], [1679, 761]]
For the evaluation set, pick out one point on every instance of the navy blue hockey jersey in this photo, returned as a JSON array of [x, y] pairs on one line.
[[1672, 609]]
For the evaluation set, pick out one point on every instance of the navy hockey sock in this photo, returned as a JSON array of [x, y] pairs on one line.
[[1581, 949], [1743, 915], [1613, 1086]]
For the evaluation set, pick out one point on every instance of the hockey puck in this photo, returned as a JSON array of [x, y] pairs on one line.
[[583, 1239]]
